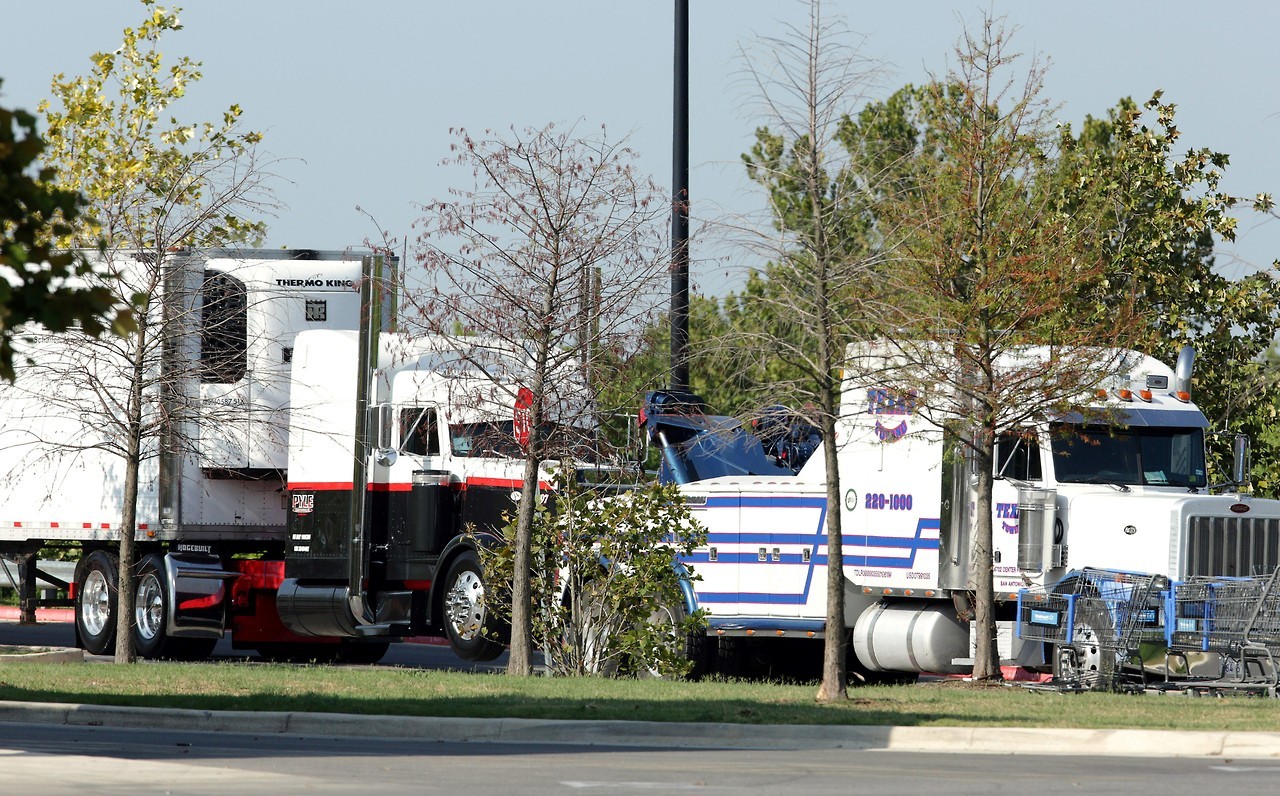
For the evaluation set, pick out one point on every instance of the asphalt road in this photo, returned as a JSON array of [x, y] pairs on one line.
[[71, 761]]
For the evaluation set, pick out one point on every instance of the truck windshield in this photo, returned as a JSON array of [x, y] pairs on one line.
[[1137, 456], [496, 439]]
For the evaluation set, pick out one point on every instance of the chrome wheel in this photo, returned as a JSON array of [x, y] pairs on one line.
[[148, 608], [95, 603], [464, 605], [96, 577], [1089, 662], [665, 621], [472, 633]]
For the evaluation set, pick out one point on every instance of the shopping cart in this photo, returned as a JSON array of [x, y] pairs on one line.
[[1235, 619], [1098, 621]]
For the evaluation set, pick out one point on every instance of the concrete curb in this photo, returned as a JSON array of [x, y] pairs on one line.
[[43, 655], [995, 740]]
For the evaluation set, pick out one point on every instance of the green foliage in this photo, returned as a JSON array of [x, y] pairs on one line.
[[1149, 213], [38, 281], [151, 182], [606, 579], [1162, 221]]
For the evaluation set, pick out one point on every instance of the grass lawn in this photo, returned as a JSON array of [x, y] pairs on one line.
[[416, 692]]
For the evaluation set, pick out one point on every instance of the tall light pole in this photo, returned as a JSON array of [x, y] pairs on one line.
[[680, 205]]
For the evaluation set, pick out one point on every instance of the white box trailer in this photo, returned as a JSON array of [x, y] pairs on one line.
[[220, 478]]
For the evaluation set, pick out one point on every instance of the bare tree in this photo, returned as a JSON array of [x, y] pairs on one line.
[[822, 256], [554, 258]]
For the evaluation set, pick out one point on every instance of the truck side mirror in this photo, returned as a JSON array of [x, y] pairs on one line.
[[1240, 459], [385, 455]]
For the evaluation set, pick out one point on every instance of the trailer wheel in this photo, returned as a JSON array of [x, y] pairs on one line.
[[96, 580], [466, 622], [150, 604], [701, 649], [732, 657]]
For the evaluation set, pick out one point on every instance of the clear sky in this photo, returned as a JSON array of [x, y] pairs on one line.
[[356, 99]]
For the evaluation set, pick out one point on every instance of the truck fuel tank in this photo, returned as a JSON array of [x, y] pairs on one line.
[[911, 637]]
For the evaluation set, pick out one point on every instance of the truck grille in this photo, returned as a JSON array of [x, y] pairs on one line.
[[1231, 546]]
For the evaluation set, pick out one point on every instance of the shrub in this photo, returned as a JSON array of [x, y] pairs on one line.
[[608, 580]]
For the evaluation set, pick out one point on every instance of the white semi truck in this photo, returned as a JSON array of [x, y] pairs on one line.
[[1124, 490], [318, 488]]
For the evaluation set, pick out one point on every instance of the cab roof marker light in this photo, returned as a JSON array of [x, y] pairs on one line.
[[1125, 394], [1145, 395]]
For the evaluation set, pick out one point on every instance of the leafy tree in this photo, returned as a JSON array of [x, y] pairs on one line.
[[42, 284], [555, 254], [152, 185], [989, 259], [1162, 228]]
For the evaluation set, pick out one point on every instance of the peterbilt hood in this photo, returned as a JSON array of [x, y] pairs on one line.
[[1171, 532]]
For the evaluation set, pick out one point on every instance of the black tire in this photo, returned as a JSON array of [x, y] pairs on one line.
[[96, 581], [467, 624], [701, 650], [150, 609], [732, 657], [696, 647]]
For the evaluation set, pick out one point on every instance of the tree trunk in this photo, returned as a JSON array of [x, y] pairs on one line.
[[521, 660], [834, 670], [986, 660], [125, 652], [834, 665]]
